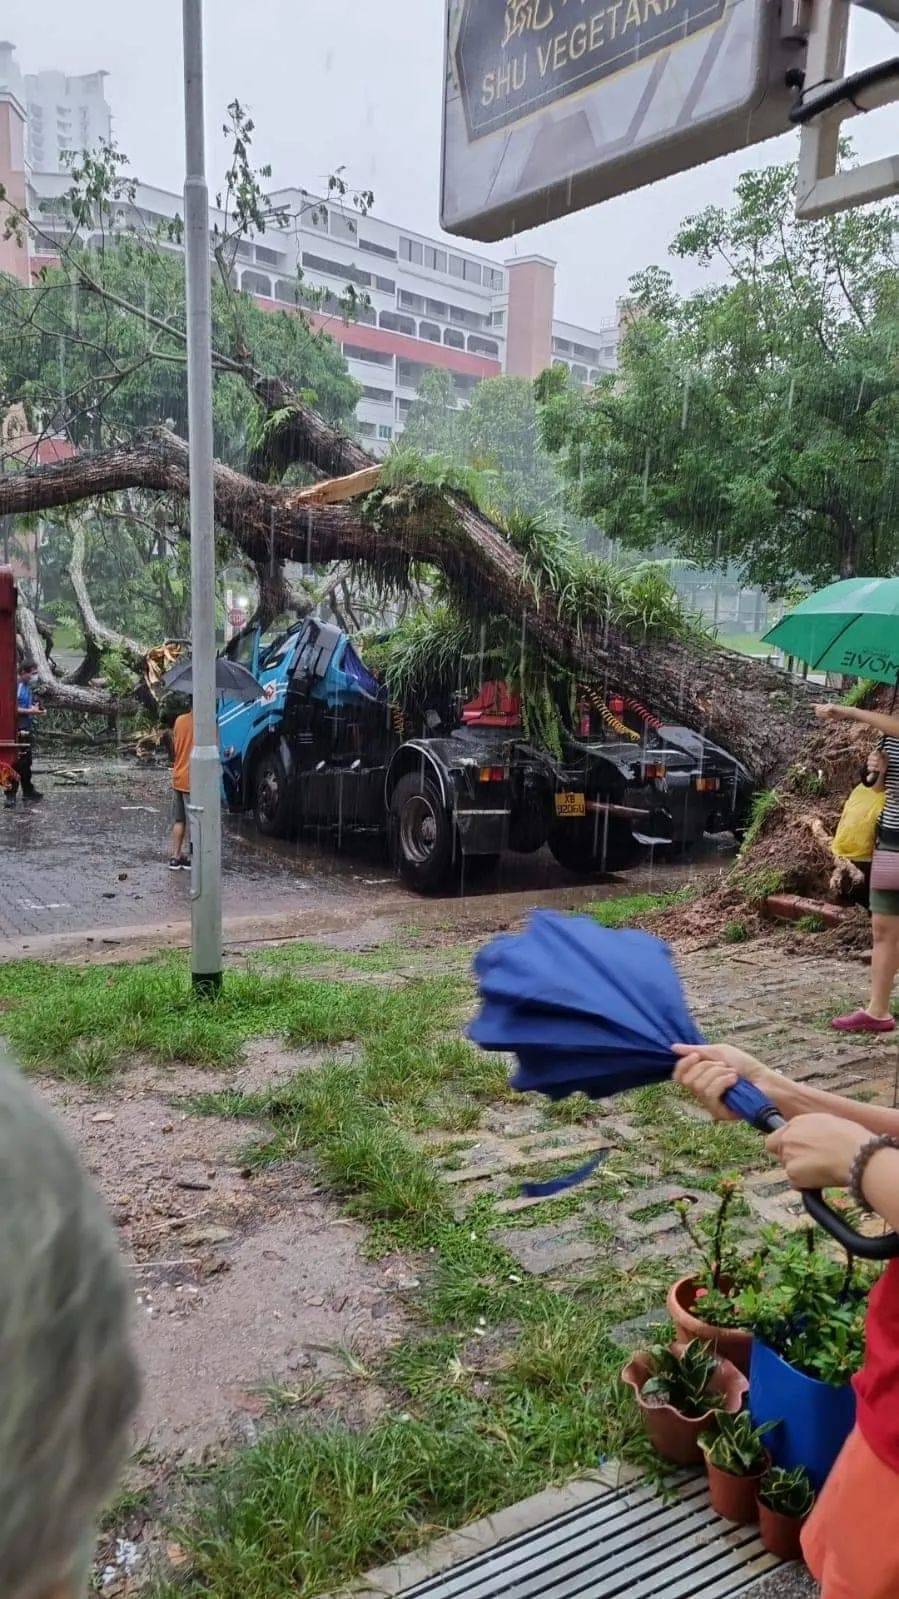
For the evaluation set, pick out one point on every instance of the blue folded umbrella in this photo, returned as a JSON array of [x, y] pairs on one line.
[[583, 1008]]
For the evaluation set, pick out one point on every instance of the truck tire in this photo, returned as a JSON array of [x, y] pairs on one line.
[[271, 796], [581, 847], [421, 834]]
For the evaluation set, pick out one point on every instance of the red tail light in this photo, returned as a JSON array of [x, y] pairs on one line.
[[653, 773], [707, 785], [492, 774]]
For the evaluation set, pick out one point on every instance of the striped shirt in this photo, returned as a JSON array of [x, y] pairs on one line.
[[890, 747]]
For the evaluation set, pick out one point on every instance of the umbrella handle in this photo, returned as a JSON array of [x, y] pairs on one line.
[[750, 1104]]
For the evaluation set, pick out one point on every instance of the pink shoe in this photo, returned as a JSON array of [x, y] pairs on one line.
[[861, 1022]]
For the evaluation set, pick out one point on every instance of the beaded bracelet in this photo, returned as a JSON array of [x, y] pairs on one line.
[[860, 1166]]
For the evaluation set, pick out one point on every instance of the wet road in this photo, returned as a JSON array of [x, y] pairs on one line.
[[94, 853]]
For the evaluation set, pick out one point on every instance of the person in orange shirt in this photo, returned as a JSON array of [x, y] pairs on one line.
[[183, 743]]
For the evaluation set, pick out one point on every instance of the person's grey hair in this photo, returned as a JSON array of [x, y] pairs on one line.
[[68, 1381]]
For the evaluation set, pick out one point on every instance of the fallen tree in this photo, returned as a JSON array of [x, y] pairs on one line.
[[753, 710]]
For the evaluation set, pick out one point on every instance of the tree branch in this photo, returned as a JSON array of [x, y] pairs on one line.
[[751, 709]]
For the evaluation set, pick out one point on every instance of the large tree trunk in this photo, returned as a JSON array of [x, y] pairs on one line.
[[97, 633], [65, 696], [757, 713]]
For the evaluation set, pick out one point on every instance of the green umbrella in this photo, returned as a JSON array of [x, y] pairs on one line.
[[850, 627]]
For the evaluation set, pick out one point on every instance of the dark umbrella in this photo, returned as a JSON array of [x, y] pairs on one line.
[[231, 679], [592, 1011]]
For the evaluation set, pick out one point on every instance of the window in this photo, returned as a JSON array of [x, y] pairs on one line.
[[366, 429], [394, 323], [579, 373], [595, 377], [385, 431], [286, 291], [472, 272], [586, 352], [494, 279], [437, 308], [343, 227], [244, 250], [355, 352], [337, 269], [377, 249], [411, 250], [435, 259], [562, 346], [318, 217], [255, 283], [429, 331], [403, 407], [380, 396], [498, 319], [479, 346], [456, 266], [411, 373], [270, 257], [410, 302], [456, 341], [386, 285], [468, 319], [366, 314], [464, 385]]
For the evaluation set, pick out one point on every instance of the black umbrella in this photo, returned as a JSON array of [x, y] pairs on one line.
[[231, 679]]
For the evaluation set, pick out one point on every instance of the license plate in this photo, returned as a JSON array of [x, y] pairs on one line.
[[571, 805]]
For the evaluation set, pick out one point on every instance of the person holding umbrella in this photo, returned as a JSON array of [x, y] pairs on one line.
[[850, 1542], [877, 1015], [851, 628], [230, 679]]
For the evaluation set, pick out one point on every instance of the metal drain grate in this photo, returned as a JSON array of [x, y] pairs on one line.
[[626, 1542]]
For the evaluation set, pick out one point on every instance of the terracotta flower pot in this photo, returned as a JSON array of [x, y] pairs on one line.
[[781, 1534], [731, 1342], [734, 1498], [674, 1436]]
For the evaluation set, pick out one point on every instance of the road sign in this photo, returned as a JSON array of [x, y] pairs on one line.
[[552, 105], [237, 618]]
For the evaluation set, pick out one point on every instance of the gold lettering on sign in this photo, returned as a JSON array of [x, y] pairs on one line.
[[528, 16], [632, 18], [577, 42]]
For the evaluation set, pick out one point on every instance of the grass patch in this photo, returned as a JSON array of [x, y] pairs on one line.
[[305, 1511], [624, 911], [683, 1141], [764, 804], [735, 933], [82, 1022]]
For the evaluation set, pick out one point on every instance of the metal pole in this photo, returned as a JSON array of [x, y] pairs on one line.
[[205, 774]]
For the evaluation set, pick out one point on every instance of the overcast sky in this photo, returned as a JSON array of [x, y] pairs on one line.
[[358, 83]]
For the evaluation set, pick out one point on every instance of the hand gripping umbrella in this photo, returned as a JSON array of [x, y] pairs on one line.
[[588, 1010]]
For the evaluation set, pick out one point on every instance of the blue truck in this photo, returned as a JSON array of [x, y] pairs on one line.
[[322, 747]]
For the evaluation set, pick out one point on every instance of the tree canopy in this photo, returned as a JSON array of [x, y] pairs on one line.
[[755, 422]]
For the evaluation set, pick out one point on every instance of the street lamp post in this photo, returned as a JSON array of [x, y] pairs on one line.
[[205, 802]]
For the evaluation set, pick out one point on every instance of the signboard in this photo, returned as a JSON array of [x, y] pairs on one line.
[[237, 618], [552, 105]]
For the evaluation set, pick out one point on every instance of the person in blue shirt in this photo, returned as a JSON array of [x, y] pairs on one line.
[[28, 709]]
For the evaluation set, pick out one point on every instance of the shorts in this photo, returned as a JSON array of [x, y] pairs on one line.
[[179, 807], [883, 899], [850, 1543]]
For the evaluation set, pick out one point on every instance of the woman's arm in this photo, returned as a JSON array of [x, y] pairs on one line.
[[820, 1151], [853, 713], [709, 1070]]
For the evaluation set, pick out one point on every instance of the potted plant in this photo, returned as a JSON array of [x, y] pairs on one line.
[[807, 1314], [785, 1502], [679, 1389], [736, 1460], [704, 1304]]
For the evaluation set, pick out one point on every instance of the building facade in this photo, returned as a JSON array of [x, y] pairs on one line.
[[423, 303]]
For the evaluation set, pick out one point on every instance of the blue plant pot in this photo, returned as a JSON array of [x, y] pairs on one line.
[[814, 1419]]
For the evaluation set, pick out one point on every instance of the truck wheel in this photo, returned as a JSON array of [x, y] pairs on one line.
[[582, 847], [271, 799], [421, 834]]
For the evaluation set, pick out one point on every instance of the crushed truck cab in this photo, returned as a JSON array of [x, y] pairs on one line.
[[322, 747]]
